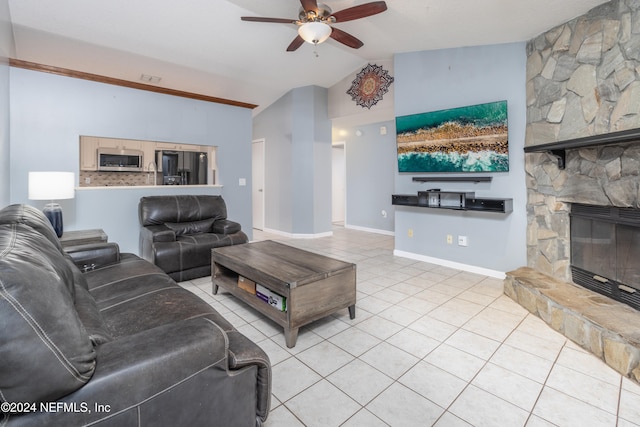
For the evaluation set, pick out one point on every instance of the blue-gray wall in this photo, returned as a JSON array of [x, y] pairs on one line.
[[50, 112], [449, 78], [6, 51], [297, 188], [370, 163]]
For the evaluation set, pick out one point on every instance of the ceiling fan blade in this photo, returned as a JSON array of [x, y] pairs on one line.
[[275, 20], [308, 5], [345, 38], [362, 11], [296, 43]]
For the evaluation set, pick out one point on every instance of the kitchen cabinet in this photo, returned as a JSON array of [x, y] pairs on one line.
[[120, 144], [88, 153], [176, 146]]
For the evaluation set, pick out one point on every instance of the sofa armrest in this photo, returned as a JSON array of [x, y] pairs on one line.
[[175, 374], [94, 255], [158, 233], [244, 352], [225, 226]]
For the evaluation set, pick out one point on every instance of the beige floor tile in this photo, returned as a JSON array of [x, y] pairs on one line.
[[354, 341], [322, 405], [413, 342], [472, 343], [595, 392], [389, 360], [508, 385], [360, 380], [528, 365], [400, 406], [379, 327], [564, 410], [435, 384], [433, 328], [480, 408], [325, 358], [588, 364], [290, 377], [457, 362], [364, 418], [630, 406], [282, 417], [400, 315], [449, 420]]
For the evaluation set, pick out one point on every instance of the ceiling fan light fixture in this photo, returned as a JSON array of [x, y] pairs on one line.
[[314, 32]]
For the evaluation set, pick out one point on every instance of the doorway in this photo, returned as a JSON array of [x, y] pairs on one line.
[[338, 183], [257, 182]]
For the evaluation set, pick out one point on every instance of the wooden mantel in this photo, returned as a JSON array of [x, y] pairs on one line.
[[125, 83]]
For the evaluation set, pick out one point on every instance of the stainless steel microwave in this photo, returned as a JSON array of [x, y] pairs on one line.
[[111, 159]]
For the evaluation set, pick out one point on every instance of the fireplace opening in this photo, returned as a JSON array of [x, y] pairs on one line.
[[605, 251]]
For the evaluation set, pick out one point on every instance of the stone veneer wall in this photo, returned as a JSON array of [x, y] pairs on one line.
[[583, 78]]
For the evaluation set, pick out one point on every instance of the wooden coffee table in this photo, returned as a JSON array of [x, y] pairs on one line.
[[314, 286]]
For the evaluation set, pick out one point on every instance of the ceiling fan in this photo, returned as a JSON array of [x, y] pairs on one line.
[[314, 19]]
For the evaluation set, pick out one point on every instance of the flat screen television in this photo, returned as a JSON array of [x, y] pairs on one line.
[[465, 139]]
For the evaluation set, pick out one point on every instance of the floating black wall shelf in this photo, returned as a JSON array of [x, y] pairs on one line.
[[452, 179], [464, 202]]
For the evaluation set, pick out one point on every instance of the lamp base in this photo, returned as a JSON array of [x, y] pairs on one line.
[[53, 211]]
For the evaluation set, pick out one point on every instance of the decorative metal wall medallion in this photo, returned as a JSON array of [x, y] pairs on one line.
[[369, 85]]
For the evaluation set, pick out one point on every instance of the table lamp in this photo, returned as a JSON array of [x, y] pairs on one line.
[[52, 186]]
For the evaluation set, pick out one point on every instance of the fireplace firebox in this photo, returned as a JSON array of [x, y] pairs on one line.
[[605, 251]]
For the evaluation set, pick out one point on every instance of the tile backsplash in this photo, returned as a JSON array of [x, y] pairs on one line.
[[112, 179]]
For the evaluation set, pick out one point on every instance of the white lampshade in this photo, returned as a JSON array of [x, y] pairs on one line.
[[51, 185], [314, 32]]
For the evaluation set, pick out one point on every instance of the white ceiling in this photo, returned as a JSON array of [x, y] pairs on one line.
[[202, 46]]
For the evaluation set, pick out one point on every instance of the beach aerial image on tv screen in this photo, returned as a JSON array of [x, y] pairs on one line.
[[466, 139]]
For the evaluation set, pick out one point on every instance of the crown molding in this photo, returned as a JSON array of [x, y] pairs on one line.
[[125, 83]]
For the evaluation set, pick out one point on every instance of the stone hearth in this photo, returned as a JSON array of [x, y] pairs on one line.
[[605, 327], [583, 79]]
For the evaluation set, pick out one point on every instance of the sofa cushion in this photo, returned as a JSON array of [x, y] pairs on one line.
[[28, 215], [191, 227], [45, 350]]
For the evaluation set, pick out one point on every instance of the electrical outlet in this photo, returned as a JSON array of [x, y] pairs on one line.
[[462, 241], [87, 180], [449, 239], [410, 232]]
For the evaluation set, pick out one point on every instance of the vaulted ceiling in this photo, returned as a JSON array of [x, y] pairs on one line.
[[202, 46]]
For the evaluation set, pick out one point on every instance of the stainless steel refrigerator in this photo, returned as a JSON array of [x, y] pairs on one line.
[[184, 167]]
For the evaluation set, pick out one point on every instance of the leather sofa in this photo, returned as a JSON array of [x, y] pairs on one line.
[[94, 336], [178, 232]]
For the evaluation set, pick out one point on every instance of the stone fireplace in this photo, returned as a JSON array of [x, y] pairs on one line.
[[583, 150]]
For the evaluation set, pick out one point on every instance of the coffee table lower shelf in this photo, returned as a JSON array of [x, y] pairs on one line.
[[319, 294]]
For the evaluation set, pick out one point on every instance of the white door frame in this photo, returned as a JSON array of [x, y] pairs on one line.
[[337, 145], [260, 192]]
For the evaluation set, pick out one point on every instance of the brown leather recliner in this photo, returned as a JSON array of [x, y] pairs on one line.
[[178, 232]]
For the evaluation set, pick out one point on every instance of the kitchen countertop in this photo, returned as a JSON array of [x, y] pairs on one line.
[[146, 187]]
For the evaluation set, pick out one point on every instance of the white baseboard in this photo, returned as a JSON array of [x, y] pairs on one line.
[[370, 230], [298, 235], [451, 264]]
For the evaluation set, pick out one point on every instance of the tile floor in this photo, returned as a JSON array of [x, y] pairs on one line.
[[430, 346]]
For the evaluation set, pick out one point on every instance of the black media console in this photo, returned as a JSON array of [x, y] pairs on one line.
[[466, 201]]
